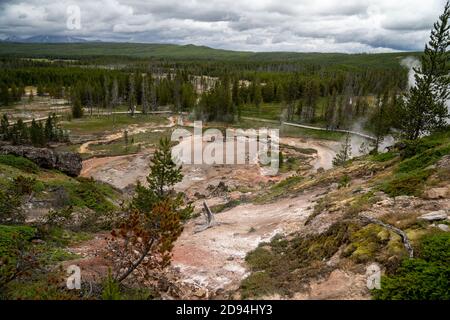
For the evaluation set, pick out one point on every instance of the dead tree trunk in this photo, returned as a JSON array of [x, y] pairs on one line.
[[209, 216]]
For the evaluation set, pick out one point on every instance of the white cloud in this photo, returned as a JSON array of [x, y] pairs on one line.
[[259, 25]]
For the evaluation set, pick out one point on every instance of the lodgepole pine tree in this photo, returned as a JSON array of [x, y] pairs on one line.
[[345, 153], [144, 94], [154, 222], [424, 108]]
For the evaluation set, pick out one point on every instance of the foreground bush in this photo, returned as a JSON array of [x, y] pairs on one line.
[[426, 277]]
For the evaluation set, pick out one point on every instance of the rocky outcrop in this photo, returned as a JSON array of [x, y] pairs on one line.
[[67, 162], [434, 216]]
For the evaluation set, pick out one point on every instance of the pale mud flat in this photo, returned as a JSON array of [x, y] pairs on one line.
[[326, 150], [118, 171], [214, 259]]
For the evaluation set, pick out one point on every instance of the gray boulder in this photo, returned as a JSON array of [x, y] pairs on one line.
[[434, 216]]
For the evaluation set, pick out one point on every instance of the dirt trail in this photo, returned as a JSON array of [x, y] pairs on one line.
[[214, 259]]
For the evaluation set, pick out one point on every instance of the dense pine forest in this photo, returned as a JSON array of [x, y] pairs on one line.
[[306, 90]]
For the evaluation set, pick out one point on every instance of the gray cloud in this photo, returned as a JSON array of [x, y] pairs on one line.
[[257, 25]]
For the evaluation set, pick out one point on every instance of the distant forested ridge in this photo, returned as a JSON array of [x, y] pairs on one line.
[[326, 88]]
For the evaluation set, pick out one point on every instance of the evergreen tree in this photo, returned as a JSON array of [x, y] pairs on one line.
[[257, 95], [154, 220], [424, 109], [37, 135], [153, 96], [235, 93], [381, 121], [77, 109], [280, 160], [14, 93], [345, 153], [4, 95], [164, 174], [31, 96], [106, 95], [4, 127], [40, 91], [114, 98], [144, 94], [131, 95]]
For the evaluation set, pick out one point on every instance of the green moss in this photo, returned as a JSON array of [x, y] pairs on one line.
[[415, 234], [395, 245], [366, 243]]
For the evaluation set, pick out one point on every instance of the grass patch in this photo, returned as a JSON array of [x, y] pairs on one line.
[[82, 192], [225, 206], [409, 184], [383, 157], [19, 163], [279, 189], [270, 111], [423, 160]]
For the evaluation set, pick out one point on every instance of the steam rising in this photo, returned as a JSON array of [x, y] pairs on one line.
[[411, 63]]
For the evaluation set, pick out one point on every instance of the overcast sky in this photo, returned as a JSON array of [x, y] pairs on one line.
[[255, 25]]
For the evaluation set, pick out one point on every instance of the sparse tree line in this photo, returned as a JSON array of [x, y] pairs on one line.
[[35, 133]]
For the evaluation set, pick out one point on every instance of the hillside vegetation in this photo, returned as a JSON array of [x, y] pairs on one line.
[[397, 188]]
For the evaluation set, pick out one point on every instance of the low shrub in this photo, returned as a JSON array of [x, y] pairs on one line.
[[426, 277]]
